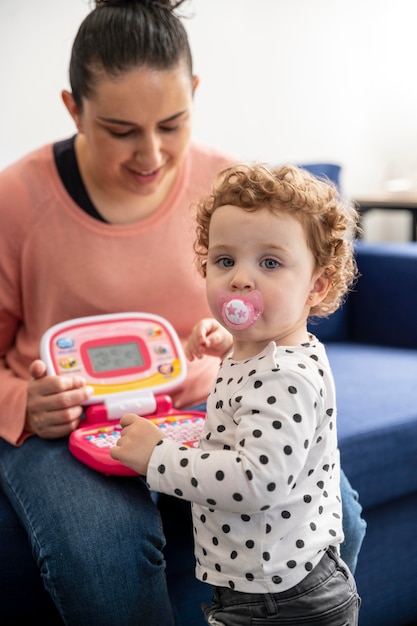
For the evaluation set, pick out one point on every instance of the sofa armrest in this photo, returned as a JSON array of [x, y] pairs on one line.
[[383, 306]]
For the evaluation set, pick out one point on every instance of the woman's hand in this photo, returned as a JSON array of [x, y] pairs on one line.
[[208, 337], [54, 402], [136, 443]]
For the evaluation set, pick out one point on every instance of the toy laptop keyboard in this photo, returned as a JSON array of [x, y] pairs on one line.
[[130, 360], [91, 444]]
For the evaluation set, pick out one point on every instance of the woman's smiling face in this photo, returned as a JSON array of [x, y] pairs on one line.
[[137, 128]]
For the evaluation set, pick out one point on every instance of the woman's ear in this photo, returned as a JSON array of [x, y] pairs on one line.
[[319, 290], [72, 108], [196, 82]]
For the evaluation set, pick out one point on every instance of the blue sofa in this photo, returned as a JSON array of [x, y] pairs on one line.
[[372, 346]]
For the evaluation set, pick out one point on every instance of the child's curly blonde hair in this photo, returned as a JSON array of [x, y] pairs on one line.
[[330, 224]]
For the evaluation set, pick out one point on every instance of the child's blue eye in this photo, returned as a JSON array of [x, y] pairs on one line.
[[225, 262], [269, 264]]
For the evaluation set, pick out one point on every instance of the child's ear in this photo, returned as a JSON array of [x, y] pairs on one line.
[[319, 290]]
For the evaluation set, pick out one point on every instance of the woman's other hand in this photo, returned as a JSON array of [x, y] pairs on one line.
[[54, 403]]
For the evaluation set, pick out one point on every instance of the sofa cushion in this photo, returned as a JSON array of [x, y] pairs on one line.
[[333, 328], [324, 171], [377, 419], [386, 577], [383, 307]]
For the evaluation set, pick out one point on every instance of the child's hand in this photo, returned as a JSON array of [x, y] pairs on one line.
[[136, 442], [208, 337]]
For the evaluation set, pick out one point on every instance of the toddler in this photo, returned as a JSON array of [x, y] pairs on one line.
[[275, 247]]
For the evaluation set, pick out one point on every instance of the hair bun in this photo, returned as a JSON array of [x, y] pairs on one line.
[[159, 4]]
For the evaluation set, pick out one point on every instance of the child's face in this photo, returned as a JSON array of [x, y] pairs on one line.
[[267, 252]]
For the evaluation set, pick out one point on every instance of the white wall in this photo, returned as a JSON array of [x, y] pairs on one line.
[[281, 80]]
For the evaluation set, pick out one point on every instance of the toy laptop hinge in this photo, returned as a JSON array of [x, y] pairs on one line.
[[145, 404], [142, 403]]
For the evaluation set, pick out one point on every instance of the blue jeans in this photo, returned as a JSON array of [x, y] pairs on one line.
[[97, 540], [354, 527], [327, 596]]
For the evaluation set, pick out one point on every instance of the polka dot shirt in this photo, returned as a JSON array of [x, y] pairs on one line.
[[264, 481]]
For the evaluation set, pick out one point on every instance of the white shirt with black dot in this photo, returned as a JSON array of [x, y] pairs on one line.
[[264, 481]]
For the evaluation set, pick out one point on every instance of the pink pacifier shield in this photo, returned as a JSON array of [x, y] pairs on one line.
[[240, 311]]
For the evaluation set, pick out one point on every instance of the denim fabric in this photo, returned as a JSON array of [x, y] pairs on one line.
[[354, 526], [326, 597], [97, 540]]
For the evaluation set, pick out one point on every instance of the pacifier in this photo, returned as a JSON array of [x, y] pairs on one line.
[[239, 312]]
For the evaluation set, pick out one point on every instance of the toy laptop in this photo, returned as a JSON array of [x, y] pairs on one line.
[[132, 361]]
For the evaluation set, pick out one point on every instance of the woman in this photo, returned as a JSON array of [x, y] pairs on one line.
[[89, 225]]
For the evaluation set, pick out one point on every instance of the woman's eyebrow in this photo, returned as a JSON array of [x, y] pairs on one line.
[[113, 120]]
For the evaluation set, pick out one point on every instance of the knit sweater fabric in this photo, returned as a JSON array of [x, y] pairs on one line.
[[59, 263]]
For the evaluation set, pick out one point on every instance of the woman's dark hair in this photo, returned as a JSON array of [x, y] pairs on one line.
[[119, 35]]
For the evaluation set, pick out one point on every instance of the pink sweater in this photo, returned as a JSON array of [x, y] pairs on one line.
[[57, 263]]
